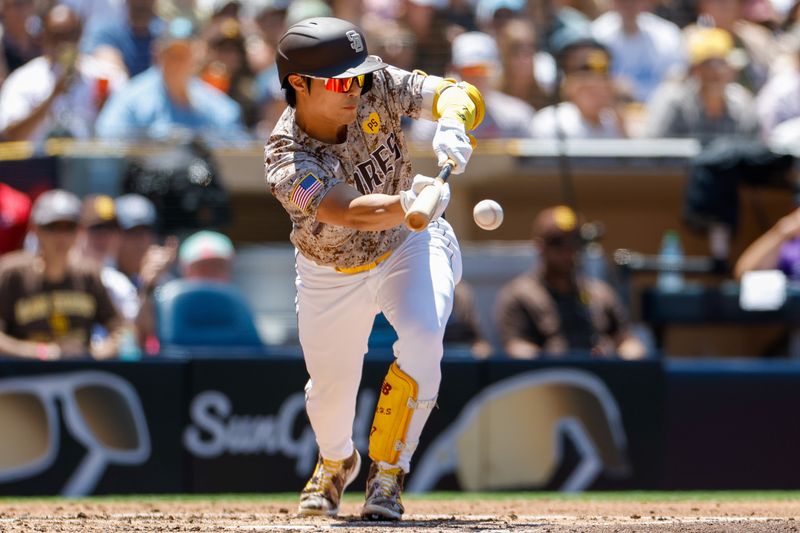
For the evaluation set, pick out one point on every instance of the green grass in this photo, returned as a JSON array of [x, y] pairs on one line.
[[290, 498]]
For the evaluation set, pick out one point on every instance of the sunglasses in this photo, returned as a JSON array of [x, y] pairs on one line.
[[100, 410], [342, 85]]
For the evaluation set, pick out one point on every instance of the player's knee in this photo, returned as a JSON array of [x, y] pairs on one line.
[[428, 336], [422, 343]]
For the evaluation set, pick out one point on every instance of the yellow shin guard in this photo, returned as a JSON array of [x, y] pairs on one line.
[[396, 403]]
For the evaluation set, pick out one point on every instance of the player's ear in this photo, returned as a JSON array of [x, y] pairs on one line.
[[299, 83]]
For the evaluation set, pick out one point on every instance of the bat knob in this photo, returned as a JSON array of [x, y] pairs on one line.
[[416, 221]]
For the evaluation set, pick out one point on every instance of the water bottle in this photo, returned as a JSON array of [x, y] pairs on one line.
[[670, 277]]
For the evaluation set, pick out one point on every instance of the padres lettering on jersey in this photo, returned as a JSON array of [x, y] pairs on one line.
[[370, 174], [373, 159]]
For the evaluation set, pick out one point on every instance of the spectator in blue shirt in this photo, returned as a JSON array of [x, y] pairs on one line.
[[168, 101], [127, 43]]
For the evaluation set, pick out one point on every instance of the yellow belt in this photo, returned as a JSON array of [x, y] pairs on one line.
[[364, 268]]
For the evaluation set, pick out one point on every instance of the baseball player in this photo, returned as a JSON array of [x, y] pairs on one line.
[[338, 163]]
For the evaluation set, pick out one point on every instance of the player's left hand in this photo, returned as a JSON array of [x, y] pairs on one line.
[[452, 142]]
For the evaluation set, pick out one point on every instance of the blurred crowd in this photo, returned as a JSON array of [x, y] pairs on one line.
[[79, 276], [154, 69], [97, 277]]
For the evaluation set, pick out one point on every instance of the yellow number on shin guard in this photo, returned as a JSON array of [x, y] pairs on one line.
[[392, 416]]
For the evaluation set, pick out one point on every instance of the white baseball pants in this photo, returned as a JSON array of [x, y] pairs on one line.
[[414, 289]]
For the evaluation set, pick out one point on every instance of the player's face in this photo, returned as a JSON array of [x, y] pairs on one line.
[[336, 106]]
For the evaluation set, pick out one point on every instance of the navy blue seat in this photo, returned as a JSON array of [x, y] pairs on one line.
[[204, 314]]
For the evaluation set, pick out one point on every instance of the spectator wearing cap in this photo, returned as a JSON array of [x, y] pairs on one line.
[[15, 209], [553, 310], [711, 107], [49, 302], [206, 255], [168, 101], [709, 103], [146, 263], [99, 238], [476, 60], [59, 93], [588, 109], [756, 46], [139, 250], [126, 43], [227, 67], [645, 48]]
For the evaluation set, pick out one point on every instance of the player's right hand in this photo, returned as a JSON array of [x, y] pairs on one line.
[[420, 182]]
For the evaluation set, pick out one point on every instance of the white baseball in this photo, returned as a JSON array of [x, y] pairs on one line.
[[488, 214]]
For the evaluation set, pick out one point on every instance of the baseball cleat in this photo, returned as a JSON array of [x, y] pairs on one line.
[[384, 486], [324, 490]]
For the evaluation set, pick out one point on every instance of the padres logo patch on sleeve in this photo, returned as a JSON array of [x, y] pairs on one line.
[[305, 190]]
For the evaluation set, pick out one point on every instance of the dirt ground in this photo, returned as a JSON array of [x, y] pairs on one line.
[[427, 516]]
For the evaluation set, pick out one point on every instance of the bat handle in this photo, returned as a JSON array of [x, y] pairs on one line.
[[447, 168], [423, 208]]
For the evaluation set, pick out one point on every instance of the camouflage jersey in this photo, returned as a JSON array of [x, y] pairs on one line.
[[300, 170]]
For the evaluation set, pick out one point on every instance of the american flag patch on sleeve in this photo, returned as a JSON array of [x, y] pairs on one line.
[[305, 190]]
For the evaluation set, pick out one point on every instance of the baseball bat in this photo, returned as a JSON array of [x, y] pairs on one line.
[[421, 212]]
